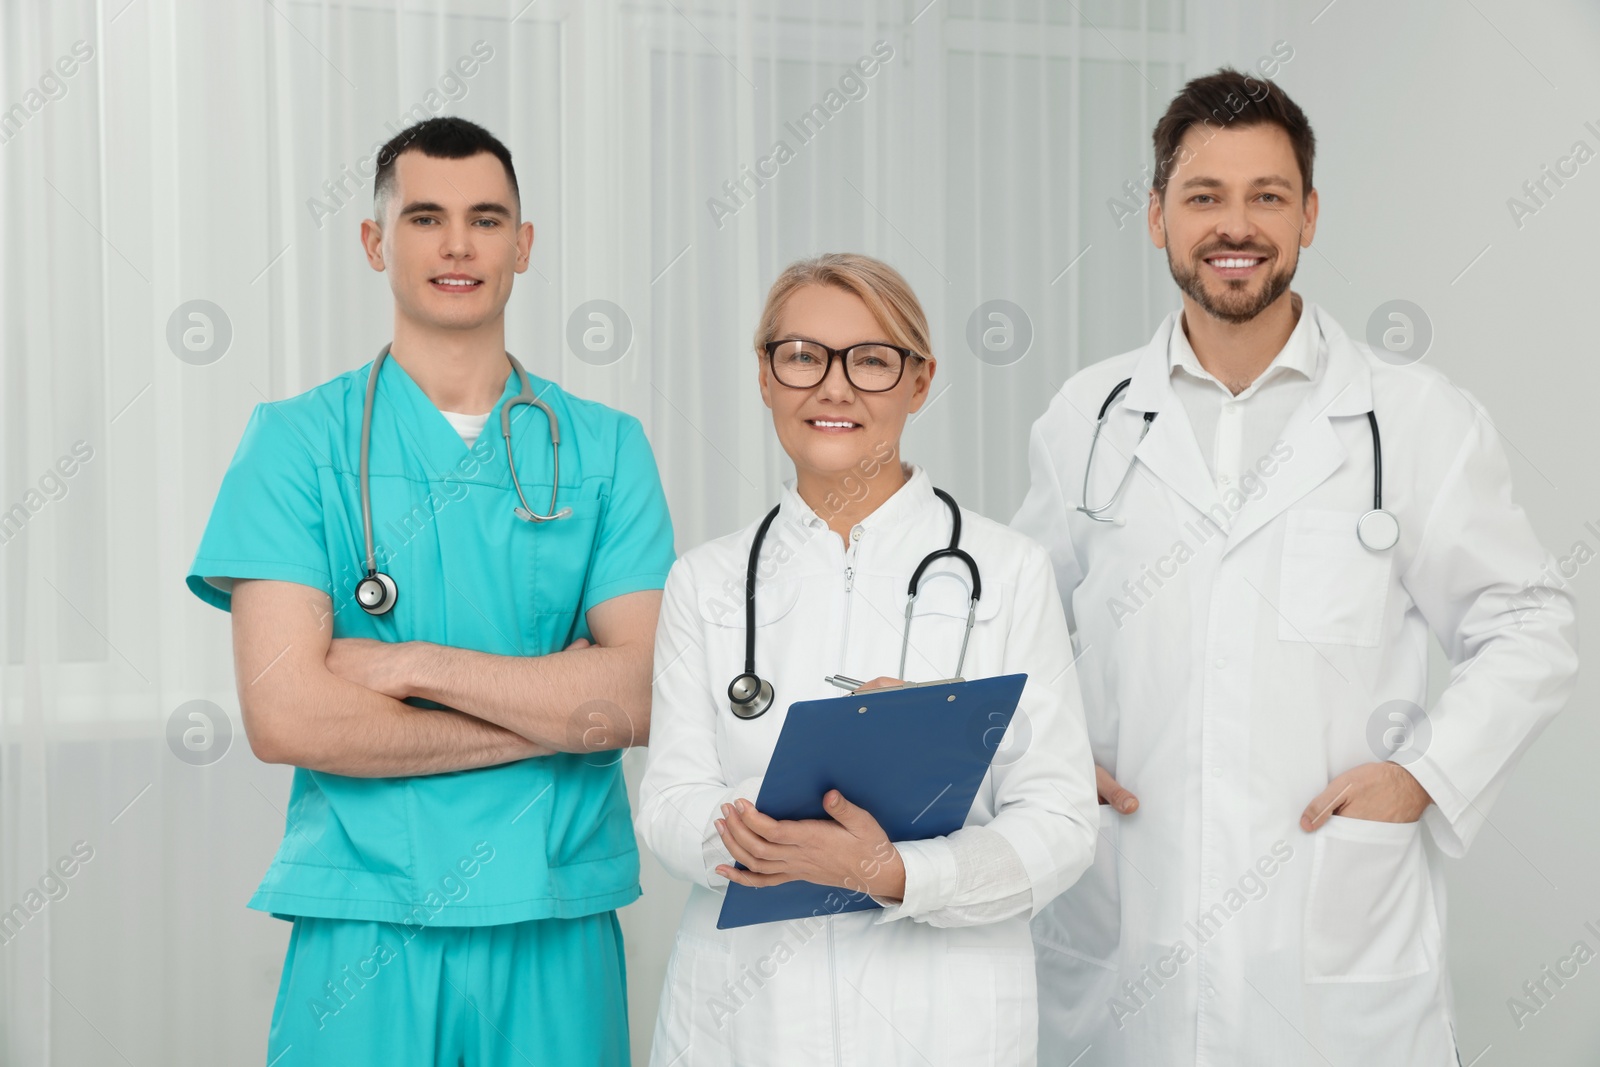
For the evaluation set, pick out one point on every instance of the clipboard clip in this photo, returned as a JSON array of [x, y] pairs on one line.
[[852, 684]]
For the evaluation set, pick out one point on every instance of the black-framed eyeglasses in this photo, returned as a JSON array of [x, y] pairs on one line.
[[870, 368]]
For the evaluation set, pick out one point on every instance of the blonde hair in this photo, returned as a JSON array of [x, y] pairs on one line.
[[878, 285]]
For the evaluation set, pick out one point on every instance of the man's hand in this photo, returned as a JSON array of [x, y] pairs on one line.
[[851, 851], [1377, 792], [297, 711], [592, 696], [375, 665], [1111, 792]]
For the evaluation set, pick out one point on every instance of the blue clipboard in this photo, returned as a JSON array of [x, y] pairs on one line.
[[913, 756]]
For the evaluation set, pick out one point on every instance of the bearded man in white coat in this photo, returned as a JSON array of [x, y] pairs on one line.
[[1252, 571]]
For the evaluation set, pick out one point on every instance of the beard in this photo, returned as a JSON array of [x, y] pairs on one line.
[[1235, 304]]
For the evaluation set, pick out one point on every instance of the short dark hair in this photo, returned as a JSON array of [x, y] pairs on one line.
[[1230, 98], [445, 137]]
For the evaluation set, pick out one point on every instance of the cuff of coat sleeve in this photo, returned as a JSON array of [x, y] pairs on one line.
[[1450, 818], [930, 879], [713, 850], [749, 789]]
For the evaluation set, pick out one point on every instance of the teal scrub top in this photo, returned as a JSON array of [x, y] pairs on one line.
[[470, 575]]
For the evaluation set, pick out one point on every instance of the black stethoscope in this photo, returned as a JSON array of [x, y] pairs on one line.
[[1378, 529], [377, 592], [750, 695]]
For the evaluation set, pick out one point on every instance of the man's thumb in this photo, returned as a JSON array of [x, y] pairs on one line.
[[1111, 792]]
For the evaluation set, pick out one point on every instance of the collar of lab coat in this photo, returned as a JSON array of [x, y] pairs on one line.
[[1170, 453], [906, 504], [1299, 355]]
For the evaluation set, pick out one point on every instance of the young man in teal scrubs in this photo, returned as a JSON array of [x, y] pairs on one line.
[[458, 838]]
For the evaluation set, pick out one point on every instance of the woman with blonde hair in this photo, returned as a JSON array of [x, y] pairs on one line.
[[943, 973]]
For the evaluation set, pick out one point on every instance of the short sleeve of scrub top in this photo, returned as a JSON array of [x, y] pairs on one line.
[[634, 547], [267, 521]]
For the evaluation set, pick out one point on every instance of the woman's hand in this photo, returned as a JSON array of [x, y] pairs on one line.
[[849, 850], [880, 682]]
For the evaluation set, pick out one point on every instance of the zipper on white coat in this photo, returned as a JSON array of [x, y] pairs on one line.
[[833, 984], [844, 646], [849, 585]]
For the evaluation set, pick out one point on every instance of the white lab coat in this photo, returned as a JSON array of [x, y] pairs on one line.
[[947, 976], [1239, 670]]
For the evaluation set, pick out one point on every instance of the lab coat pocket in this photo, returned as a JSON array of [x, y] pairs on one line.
[[1369, 910], [692, 1023], [988, 1015], [724, 605], [1331, 588], [1085, 922]]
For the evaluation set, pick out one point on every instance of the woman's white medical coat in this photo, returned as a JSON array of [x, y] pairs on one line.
[[1233, 665], [947, 976]]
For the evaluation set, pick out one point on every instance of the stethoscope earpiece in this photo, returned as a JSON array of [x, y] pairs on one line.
[[527, 516], [1098, 514], [526, 513]]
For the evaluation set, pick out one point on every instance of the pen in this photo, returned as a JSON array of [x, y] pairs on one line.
[[843, 682]]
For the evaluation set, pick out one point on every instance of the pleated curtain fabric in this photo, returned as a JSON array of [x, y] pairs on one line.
[[181, 242]]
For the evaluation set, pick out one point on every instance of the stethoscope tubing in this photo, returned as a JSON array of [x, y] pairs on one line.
[[758, 693], [524, 512], [1386, 528]]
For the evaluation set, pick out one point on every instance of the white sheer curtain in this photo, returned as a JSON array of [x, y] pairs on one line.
[[215, 152]]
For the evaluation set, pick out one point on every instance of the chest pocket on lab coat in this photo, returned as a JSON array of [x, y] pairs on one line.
[[1370, 913], [1332, 588], [724, 606]]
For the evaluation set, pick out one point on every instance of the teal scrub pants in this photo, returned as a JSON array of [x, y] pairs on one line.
[[530, 994]]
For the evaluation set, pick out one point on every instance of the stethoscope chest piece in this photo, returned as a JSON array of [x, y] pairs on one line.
[[1378, 529], [749, 696], [376, 593]]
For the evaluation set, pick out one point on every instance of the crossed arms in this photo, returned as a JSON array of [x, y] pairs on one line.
[[337, 705]]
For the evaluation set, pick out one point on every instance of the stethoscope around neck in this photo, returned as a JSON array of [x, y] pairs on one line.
[[1378, 529], [376, 592], [750, 695]]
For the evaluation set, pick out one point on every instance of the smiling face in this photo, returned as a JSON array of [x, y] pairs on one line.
[[832, 429], [450, 240], [1233, 219]]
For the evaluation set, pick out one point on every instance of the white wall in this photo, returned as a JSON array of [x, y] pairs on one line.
[[1429, 117]]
